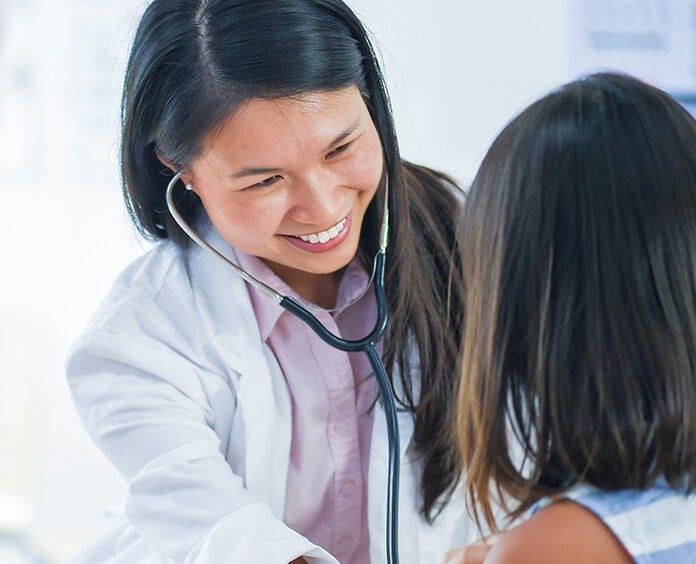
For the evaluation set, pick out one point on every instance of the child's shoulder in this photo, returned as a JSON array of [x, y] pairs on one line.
[[561, 532]]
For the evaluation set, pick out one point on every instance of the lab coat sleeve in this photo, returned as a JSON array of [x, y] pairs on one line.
[[143, 402]]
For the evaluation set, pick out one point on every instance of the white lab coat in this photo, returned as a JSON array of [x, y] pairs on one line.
[[174, 383]]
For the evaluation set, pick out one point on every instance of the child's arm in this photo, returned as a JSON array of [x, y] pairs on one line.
[[562, 532]]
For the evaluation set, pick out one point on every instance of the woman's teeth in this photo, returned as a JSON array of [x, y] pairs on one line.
[[324, 236]]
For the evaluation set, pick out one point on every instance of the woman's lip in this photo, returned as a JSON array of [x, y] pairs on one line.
[[339, 222], [321, 247]]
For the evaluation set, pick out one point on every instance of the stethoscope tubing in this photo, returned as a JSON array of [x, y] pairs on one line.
[[366, 345]]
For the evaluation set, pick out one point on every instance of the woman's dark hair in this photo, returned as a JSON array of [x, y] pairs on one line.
[[195, 62], [579, 344]]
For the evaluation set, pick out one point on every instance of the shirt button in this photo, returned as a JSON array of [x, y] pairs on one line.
[[341, 428], [348, 488], [345, 541]]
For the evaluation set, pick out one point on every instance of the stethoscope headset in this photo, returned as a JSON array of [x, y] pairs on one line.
[[367, 345]]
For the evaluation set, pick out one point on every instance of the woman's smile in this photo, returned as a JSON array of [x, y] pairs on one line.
[[322, 241]]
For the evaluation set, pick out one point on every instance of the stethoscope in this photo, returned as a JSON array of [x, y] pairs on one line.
[[367, 345]]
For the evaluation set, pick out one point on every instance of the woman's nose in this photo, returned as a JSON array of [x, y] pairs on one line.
[[317, 200]]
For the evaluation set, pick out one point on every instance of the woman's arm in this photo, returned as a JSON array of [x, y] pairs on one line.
[[141, 398]]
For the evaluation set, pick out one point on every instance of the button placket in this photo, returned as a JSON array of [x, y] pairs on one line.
[[347, 488], [341, 428], [346, 541]]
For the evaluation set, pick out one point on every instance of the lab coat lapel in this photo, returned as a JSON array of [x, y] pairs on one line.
[[265, 404], [377, 491], [409, 487], [262, 394]]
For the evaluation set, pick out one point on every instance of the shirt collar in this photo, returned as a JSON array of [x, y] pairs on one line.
[[267, 311], [352, 286]]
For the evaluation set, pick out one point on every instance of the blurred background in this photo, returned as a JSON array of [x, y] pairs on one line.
[[458, 70]]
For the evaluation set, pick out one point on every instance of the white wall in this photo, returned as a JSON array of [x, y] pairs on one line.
[[457, 69], [65, 238]]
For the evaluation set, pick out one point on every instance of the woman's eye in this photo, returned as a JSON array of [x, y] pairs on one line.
[[270, 181], [339, 150]]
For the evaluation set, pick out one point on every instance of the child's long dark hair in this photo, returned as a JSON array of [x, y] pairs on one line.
[[580, 273]]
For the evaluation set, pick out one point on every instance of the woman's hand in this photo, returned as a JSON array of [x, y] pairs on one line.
[[474, 553]]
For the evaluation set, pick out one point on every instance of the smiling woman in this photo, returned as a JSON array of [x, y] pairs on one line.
[[243, 437], [290, 182]]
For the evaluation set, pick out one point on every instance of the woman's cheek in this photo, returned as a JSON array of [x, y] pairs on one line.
[[364, 170]]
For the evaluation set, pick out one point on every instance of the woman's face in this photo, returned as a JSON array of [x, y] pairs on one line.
[[289, 180]]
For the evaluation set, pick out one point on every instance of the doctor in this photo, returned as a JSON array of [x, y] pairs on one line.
[[242, 436]]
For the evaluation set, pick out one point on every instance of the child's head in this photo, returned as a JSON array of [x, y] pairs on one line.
[[580, 265]]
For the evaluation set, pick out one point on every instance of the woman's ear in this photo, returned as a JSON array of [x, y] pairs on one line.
[[185, 177]]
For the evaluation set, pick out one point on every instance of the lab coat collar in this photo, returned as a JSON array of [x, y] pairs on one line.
[[266, 310], [263, 400]]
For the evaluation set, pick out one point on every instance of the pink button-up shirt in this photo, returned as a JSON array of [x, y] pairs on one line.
[[332, 396]]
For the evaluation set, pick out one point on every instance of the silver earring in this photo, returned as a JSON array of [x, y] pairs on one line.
[[189, 187]]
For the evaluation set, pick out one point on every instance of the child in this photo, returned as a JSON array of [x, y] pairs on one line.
[[580, 333]]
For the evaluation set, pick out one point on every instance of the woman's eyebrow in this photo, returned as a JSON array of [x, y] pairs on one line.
[[347, 132], [253, 172]]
